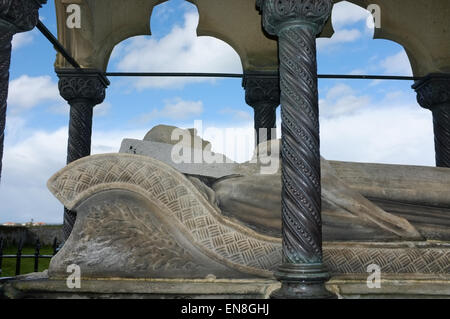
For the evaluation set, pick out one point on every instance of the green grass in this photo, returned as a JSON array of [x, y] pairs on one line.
[[27, 264]]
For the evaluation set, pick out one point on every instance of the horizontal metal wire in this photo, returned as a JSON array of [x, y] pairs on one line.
[[235, 75]]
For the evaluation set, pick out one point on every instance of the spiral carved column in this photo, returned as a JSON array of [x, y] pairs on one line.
[[296, 23], [433, 93], [262, 93], [5, 57], [83, 90], [15, 17]]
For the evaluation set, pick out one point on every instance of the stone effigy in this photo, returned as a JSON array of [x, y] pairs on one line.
[[138, 217]]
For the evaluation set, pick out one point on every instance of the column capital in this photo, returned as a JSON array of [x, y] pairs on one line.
[[280, 14], [19, 15], [433, 91], [86, 84], [261, 87]]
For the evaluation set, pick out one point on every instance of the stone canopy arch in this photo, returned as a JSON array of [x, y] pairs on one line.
[[238, 22], [104, 24], [107, 23], [423, 29]]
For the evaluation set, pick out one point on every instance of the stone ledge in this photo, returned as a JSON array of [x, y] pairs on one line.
[[392, 286], [39, 286]]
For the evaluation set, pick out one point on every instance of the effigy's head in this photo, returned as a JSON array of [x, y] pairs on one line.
[[173, 135]]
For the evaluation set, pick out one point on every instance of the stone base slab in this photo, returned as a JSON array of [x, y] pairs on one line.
[[39, 286]]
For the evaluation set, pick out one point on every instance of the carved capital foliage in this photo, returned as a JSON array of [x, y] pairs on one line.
[[87, 86], [262, 89], [433, 91], [19, 15], [278, 14]]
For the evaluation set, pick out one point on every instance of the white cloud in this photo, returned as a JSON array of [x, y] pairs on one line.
[[238, 115], [21, 39], [397, 64], [402, 134], [236, 142], [342, 100], [179, 51], [30, 162], [26, 92], [343, 16], [15, 127], [27, 165], [392, 129], [346, 13], [102, 109], [174, 109], [340, 36]]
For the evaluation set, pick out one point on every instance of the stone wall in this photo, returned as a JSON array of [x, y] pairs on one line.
[[46, 234]]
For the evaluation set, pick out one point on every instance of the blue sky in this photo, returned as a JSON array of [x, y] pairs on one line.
[[361, 120]]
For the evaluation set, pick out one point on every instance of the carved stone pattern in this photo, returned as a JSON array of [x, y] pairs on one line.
[[441, 122], [80, 130], [391, 260], [265, 118], [172, 191], [301, 191], [433, 93], [296, 23], [82, 93], [68, 222], [263, 95], [278, 13], [260, 88], [5, 58], [139, 245], [76, 87], [23, 14]]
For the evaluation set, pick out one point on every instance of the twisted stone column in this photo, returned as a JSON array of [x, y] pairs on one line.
[[15, 16], [433, 93], [296, 23], [262, 93], [82, 90]]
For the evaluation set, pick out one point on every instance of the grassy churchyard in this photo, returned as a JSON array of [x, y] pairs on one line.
[[8, 266]]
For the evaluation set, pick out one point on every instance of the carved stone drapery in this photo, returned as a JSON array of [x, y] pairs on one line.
[[15, 16], [297, 23], [83, 90], [433, 93], [262, 93]]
